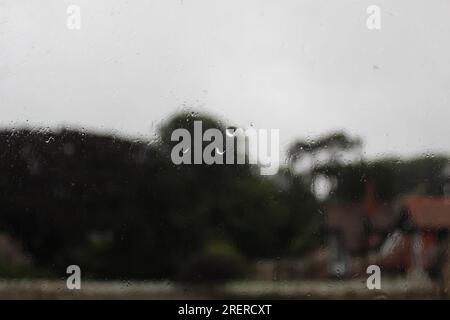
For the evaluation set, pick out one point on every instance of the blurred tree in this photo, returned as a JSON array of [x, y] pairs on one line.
[[122, 209]]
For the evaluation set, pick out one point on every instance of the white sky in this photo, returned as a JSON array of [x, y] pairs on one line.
[[304, 67]]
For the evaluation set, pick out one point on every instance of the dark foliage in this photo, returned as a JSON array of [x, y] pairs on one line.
[[121, 209]]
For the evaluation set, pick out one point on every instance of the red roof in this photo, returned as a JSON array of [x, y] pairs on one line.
[[428, 212]]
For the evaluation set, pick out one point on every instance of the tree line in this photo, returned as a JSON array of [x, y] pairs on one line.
[[119, 208]]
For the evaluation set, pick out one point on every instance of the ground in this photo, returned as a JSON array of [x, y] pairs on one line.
[[348, 289]]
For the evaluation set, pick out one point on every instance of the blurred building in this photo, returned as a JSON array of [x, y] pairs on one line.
[[410, 235], [356, 229]]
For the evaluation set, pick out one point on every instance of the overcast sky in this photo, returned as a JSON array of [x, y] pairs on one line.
[[304, 67]]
